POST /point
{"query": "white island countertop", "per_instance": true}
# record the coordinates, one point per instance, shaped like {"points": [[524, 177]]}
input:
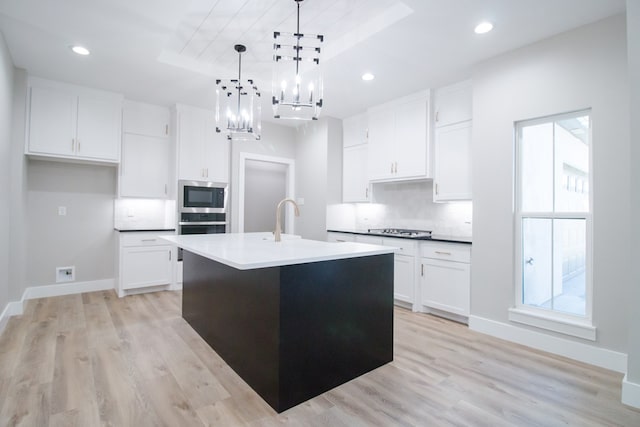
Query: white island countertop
{"points": [[246, 251]]}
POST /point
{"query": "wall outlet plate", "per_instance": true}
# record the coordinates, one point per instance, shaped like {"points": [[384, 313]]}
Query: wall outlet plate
{"points": [[65, 274]]}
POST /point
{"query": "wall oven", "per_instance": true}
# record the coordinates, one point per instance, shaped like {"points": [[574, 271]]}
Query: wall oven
{"points": [[202, 208], [202, 197]]}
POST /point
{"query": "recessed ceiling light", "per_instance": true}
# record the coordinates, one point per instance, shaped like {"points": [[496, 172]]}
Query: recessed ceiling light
{"points": [[368, 77], [80, 50], [483, 27]]}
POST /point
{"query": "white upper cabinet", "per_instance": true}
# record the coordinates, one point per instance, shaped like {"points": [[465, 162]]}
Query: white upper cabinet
{"points": [[203, 154], [452, 151], [72, 122], [355, 184], [452, 143], [355, 130], [145, 119], [398, 139], [355, 180], [453, 104], [145, 170]]}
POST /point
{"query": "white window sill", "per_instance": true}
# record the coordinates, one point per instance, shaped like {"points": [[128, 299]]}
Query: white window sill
{"points": [[578, 329]]}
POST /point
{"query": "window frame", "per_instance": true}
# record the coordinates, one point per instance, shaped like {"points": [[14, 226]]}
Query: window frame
{"points": [[566, 323]]}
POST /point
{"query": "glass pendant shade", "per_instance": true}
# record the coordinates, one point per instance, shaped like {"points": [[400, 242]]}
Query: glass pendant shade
{"points": [[238, 112], [297, 87]]}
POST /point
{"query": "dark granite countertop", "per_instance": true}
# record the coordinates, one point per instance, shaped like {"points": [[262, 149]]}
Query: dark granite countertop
{"points": [[434, 237]]}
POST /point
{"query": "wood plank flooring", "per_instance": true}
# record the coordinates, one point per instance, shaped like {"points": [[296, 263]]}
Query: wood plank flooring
{"points": [[97, 360]]}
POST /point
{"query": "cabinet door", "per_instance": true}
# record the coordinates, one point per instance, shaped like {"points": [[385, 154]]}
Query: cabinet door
{"points": [[445, 285], [52, 121], [355, 183], [380, 146], [191, 136], [144, 170], [453, 104], [355, 130], [145, 119], [403, 280], [99, 127], [146, 266], [216, 153], [340, 237], [411, 140], [453, 162]]}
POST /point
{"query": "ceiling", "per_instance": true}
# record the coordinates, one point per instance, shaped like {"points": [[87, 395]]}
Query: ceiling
{"points": [[166, 51]]}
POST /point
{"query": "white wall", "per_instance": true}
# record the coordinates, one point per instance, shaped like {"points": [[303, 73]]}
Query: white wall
{"points": [[579, 69], [6, 106], [277, 141], [633, 40], [85, 237], [318, 174]]}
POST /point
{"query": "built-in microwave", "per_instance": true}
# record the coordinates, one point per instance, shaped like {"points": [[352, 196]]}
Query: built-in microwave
{"points": [[202, 196]]}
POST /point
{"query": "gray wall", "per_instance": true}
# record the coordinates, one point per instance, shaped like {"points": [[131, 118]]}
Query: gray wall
{"points": [[277, 141], [265, 184], [575, 70], [633, 38], [6, 107], [18, 190], [318, 174], [85, 237]]}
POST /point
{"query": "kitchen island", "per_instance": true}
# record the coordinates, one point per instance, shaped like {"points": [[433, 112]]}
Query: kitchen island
{"points": [[293, 318]]}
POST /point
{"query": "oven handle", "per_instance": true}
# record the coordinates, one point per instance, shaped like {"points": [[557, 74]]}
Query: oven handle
{"points": [[202, 223]]}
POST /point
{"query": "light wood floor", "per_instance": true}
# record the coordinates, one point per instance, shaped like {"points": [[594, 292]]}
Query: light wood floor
{"points": [[94, 359]]}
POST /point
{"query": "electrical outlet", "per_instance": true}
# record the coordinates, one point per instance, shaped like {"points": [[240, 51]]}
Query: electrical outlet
{"points": [[65, 274], [62, 210]]}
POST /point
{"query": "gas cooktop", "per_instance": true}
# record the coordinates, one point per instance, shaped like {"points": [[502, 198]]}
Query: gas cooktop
{"points": [[400, 232]]}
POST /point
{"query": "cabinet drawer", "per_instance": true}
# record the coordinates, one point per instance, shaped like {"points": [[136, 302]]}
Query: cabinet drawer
{"points": [[141, 239], [405, 247], [446, 251], [341, 237], [372, 240]]}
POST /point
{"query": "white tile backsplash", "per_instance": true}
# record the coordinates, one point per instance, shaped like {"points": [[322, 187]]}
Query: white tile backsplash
{"points": [[403, 205], [144, 214]]}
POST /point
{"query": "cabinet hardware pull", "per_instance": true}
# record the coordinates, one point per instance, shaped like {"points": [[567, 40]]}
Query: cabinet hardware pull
{"points": [[436, 188], [396, 167], [437, 115], [366, 193], [73, 145], [169, 255], [166, 129], [148, 240], [443, 253], [340, 241], [391, 167], [422, 269]]}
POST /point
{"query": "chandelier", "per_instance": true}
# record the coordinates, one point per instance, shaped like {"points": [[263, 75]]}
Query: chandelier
{"points": [[297, 79], [238, 110]]}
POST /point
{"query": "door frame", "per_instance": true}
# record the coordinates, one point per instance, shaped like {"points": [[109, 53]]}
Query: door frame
{"points": [[289, 191]]}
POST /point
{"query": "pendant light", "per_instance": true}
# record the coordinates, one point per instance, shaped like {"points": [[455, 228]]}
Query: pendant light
{"points": [[238, 110], [297, 79]]}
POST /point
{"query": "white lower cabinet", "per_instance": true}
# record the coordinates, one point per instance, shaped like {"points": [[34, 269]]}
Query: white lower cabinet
{"points": [[445, 278], [144, 261]]}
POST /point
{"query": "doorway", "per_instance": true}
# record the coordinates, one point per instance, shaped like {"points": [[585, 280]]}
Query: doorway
{"points": [[264, 181]]}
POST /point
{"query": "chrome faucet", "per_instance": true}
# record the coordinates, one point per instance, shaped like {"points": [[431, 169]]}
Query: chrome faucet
{"points": [[278, 230]]}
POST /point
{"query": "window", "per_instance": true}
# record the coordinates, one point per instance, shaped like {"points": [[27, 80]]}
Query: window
{"points": [[553, 217]]}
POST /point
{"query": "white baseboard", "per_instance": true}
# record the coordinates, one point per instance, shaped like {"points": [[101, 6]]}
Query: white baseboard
{"points": [[16, 308], [630, 393], [67, 289], [601, 357]]}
